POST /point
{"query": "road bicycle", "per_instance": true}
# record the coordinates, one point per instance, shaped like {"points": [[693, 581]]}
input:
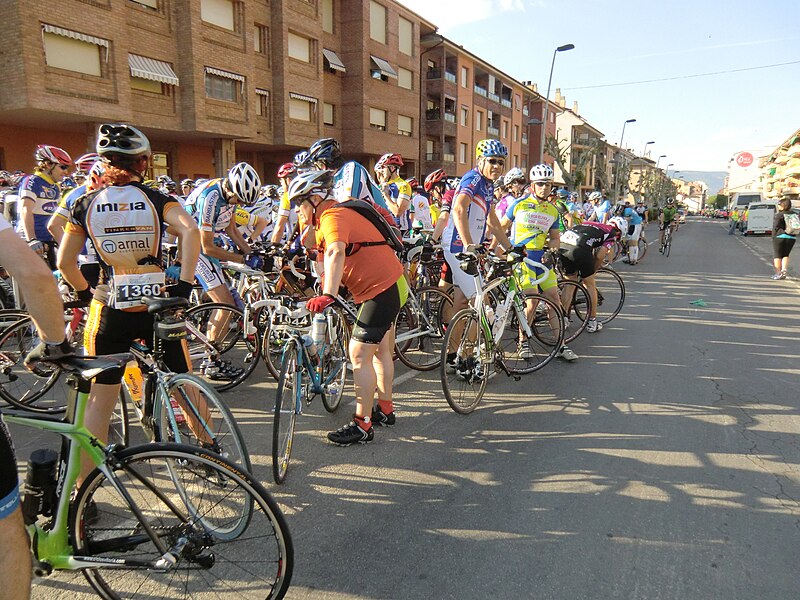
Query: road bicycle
{"points": [[575, 302], [509, 337], [160, 520], [666, 245]]}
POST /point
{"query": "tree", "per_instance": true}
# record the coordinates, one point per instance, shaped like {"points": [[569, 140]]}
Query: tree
{"points": [[579, 158], [720, 201]]}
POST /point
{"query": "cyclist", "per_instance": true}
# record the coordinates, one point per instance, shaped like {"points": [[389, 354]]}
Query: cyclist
{"points": [[395, 190], [374, 276], [534, 224], [514, 183], [601, 208], [635, 223], [124, 220], [286, 173], [641, 210], [214, 206], [82, 166], [471, 215], [39, 194], [666, 218], [436, 185], [583, 249], [187, 185], [420, 208]]}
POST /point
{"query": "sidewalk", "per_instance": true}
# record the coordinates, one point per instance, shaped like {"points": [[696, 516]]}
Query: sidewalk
{"points": [[761, 245]]}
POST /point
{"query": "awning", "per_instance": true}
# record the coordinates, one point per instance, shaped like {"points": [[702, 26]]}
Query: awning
{"points": [[333, 61], [262, 92], [74, 35], [383, 67], [152, 69], [303, 97], [226, 74]]}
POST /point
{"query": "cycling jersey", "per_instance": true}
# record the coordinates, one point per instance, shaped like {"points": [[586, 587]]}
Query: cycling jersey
{"points": [[88, 255], [421, 210], [531, 220], [209, 207], [447, 202], [354, 181], [399, 191], [480, 191], [502, 205], [601, 210], [247, 219], [44, 193], [633, 217], [589, 235], [668, 213]]}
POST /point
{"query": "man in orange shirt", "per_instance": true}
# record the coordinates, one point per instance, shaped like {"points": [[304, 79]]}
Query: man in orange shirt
{"points": [[374, 276]]}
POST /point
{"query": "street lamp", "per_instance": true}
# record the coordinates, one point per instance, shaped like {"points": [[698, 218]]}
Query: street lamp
{"points": [[644, 150], [563, 48], [619, 160], [659, 159]]}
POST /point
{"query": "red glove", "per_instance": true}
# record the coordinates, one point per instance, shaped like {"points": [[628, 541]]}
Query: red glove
{"points": [[319, 303]]}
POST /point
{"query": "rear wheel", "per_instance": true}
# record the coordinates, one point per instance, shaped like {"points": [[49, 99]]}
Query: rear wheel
{"points": [[524, 354], [610, 294], [464, 380], [423, 321], [575, 305], [287, 398]]}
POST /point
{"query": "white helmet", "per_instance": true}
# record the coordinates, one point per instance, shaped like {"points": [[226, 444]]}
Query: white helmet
{"points": [[119, 138], [244, 182], [619, 223], [541, 173], [595, 196], [514, 174], [310, 182]]}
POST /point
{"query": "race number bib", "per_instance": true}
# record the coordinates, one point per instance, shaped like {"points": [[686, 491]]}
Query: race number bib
{"points": [[538, 221], [128, 290], [570, 238]]}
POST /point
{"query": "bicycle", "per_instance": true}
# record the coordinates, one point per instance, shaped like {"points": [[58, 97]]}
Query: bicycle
{"points": [[165, 520], [666, 245], [305, 373], [511, 341]]}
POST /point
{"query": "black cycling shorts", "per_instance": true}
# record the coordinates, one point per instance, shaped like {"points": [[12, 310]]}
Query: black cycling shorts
{"points": [[376, 316], [110, 331], [9, 482], [577, 260]]}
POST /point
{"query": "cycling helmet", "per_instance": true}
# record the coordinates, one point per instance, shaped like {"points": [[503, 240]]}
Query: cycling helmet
{"points": [[541, 173], [670, 201], [326, 150], [562, 193], [171, 186], [514, 174], [164, 179], [85, 162], [301, 159], [188, 182], [619, 223], [595, 196], [434, 178], [52, 154], [413, 183], [5, 178], [288, 169], [490, 148], [244, 182], [270, 191], [389, 159], [118, 138], [310, 182]]}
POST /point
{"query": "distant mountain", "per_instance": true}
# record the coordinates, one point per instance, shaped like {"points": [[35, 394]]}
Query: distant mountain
{"points": [[713, 179]]}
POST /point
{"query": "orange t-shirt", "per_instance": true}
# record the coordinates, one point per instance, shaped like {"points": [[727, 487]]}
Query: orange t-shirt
{"points": [[371, 269]]}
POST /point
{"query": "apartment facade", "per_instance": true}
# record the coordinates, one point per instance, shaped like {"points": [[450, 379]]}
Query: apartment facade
{"points": [[584, 157], [212, 82]]}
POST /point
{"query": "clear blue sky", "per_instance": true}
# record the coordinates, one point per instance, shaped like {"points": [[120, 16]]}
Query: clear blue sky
{"points": [[697, 122]]}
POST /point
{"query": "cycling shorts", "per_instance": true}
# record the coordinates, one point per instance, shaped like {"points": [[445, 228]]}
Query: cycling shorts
{"points": [[578, 260], [633, 236], [110, 331], [447, 274], [460, 279], [9, 482], [377, 315], [665, 225], [209, 273], [528, 275]]}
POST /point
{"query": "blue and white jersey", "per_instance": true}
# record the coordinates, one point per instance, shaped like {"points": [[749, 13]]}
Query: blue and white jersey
{"points": [[88, 254], [354, 181], [208, 206], [634, 218], [480, 190], [601, 210], [45, 194]]}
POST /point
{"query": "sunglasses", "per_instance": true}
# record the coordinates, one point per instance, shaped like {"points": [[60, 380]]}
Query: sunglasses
{"points": [[64, 167], [542, 183], [496, 161]]}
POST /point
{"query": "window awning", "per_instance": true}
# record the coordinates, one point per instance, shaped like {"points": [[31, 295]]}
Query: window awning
{"points": [[302, 97], [383, 67], [152, 69], [262, 92], [74, 35], [333, 61], [226, 74]]}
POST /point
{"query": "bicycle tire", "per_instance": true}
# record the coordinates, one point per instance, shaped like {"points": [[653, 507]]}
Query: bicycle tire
{"points": [[610, 294], [118, 428], [274, 334], [544, 343], [334, 360], [219, 429], [427, 315], [464, 386], [239, 347], [667, 246], [642, 245], [287, 397], [572, 305], [183, 493]]}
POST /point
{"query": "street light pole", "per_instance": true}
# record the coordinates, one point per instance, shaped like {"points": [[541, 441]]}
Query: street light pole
{"points": [[563, 48], [619, 160], [644, 150], [659, 159]]}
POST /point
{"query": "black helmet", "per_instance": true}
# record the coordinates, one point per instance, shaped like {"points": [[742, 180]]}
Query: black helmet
{"points": [[326, 150]]}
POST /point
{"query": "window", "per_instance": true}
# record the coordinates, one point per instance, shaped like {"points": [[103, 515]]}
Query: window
{"points": [[73, 51], [516, 159], [148, 3], [405, 125], [151, 75], [405, 78], [377, 22], [464, 77], [464, 116], [222, 85], [262, 103], [406, 35], [478, 120], [377, 119], [327, 16], [301, 108], [218, 12], [160, 165], [552, 117], [505, 129], [261, 39], [516, 132], [380, 69], [146, 85], [328, 113], [299, 47], [517, 101], [462, 153]]}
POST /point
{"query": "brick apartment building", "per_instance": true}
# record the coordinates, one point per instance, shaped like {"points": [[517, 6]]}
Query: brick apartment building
{"points": [[212, 82]]}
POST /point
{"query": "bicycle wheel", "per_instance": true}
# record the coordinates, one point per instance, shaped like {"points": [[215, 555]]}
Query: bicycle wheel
{"points": [[667, 244], [233, 355], [118, 427], [200, 418], [522, 354], [642, 245], [610, 294], [464, 382], [287, 399], [575, 304], [29, 390], [275, 332], [335, 358], [423, 322], [186, 498]]}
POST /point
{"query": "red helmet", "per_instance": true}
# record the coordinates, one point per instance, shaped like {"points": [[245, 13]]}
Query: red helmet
{"points": [[389, 159], [287, 170], [413, 183], [85, 162], [434, 178], [52, 154]]}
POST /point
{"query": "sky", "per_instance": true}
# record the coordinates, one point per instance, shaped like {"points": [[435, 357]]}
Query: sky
{"points": [[699, 123]]}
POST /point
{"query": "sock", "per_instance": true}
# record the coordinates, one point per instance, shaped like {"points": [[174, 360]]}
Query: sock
{"points": [[386, 406], [364, 422]]}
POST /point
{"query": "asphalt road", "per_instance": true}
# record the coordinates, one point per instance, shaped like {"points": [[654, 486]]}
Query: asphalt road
{"points": [[663, 464]]}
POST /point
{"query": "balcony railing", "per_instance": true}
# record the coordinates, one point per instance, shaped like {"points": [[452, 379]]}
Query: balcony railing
{"points": [[433, 156], [506, 103], [494, 97], [434, 74], [433, 114], [449, 157], [492, 130], [481, 91], [450, 76], [449, 117]]}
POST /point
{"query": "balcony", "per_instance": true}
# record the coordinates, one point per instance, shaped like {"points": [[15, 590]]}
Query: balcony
{"points": [[451, 77], [494, 97], [433, 114], [449, 117], [434, 74], [506, 103], [447, 157], [481, 91], [493, 131]]}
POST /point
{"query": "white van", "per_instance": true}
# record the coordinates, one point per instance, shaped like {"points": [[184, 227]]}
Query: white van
{"points": [[742, 200], [759, 218]]}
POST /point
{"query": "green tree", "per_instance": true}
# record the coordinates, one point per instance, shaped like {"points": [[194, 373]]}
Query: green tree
{"points": [[579, 158], [720, 201]]}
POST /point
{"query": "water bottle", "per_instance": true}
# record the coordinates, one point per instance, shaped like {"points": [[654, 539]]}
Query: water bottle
{"points": [[311, 347], [40, 483], [134, 382], [489, 313], [318, 328]]}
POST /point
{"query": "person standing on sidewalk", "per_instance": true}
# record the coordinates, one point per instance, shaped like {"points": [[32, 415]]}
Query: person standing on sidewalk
{"points": [[782, 242], [734, 221]]}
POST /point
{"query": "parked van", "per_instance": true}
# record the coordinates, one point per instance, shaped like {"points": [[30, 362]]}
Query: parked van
{"points": [[759, 218], [742, 200]]}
